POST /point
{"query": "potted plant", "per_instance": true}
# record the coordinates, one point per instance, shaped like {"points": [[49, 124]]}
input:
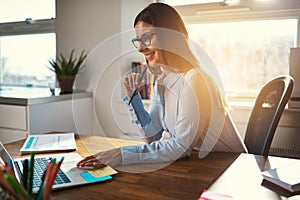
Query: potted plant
{"points": [[66, 70]]}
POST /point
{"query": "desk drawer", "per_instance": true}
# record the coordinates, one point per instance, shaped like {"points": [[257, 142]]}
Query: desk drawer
{"points": [[13, 117]]}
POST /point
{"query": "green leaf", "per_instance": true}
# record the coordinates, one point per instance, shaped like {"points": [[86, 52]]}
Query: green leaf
{"points": [[67, 66]]}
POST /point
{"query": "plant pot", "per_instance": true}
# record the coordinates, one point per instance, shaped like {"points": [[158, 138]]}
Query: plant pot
{"points": [[66, 83]]}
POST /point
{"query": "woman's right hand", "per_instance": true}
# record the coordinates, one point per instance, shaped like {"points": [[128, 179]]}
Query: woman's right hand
{"points": [[129, 83], [112, 157]]}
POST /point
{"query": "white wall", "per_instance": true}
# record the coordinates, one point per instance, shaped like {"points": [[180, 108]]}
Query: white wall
{"points": [[104, 29], [84, 24], [81, 25]]}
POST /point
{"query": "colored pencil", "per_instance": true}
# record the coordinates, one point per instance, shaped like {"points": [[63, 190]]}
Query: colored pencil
{"points": [[41, 189], [10, 163], [6, 187], [31, 174], [46, 180], [17, 186], [9, 170], [25, 174], [49, 184], [8, 190]]}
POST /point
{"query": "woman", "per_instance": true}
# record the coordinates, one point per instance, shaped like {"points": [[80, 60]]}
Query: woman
{"points": [[187, 110]]}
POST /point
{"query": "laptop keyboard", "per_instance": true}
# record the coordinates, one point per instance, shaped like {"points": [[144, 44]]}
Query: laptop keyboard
{"points": [[40, 165]]}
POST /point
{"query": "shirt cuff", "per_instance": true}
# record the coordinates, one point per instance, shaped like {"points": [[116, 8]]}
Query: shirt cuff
{"points": [[136, 102], [139, 109]]}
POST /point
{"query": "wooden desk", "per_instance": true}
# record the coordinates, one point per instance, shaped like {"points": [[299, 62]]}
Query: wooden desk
{"points": [[183, 179]]}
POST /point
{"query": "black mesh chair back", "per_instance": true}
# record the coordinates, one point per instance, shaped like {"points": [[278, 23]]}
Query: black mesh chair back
{"points": [[266, 113]]}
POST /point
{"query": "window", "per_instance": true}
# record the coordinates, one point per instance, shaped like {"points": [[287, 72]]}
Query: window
{"points": [[27, 42], [186, 2], [248, 53], [249, 41]]}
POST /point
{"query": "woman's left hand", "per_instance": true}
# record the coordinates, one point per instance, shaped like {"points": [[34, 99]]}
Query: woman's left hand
{"points": [[110, 157]]}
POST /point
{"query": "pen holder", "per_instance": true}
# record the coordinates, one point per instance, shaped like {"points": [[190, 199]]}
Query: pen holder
{"points": [[11, 188], [4, 195]]}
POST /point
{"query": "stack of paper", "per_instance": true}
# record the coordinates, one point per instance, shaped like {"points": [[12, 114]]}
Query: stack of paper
{"points": [[286, 177]]}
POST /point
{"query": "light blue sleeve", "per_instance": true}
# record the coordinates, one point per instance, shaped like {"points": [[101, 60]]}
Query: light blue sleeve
{"points": [[148, 124], [155, 152]]}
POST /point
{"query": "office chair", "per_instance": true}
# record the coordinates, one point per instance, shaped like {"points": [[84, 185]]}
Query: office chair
{"points": [[266, 113]]}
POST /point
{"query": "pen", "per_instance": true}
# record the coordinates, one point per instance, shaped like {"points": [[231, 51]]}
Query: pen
{"points": [[17, 186], [137, 86], [31, 174], [25, 174]]}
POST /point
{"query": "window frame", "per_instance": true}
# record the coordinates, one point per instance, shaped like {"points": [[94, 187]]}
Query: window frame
{"points": [[213, 12], [27, 27]]}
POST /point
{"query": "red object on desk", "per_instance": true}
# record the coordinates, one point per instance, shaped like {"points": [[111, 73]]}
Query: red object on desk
{"points": [[209, 195]]}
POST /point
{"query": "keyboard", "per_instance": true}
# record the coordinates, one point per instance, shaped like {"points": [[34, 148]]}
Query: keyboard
{"points": [[40, 165]]}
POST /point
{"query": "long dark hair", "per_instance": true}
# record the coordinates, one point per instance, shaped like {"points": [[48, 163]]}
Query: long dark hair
{"points": [[165, 17], [171, 31]]}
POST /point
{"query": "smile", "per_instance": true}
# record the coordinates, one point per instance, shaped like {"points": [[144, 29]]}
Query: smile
{"points": [[149, 56]]}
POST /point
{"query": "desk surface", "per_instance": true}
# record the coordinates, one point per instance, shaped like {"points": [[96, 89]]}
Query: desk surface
{"points": [[226, 173]]}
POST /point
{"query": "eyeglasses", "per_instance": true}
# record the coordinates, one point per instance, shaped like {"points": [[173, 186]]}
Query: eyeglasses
{"points": [[145, 40]]}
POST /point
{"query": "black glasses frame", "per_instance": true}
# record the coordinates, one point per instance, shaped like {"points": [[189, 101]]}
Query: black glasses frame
{"points": [[145, 40]]}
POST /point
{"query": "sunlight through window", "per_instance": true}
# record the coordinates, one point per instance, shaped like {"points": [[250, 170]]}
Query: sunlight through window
{"points": [[247, 53], [25, 48]]}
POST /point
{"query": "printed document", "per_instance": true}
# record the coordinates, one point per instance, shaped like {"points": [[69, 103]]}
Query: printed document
{"points": [[49, 143]]}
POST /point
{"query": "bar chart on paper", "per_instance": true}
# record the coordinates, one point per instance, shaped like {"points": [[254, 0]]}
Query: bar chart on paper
{"points": [[49, 143]]}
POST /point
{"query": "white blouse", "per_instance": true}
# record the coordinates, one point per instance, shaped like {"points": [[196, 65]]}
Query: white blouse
{"points": [[174, 118]]}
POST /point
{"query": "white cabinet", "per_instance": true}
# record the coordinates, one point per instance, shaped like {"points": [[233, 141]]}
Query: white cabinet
{"points": [[13, 117], [65, 113]]}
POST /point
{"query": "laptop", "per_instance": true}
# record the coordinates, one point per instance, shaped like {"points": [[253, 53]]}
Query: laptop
{"points": [[68, 176]]}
